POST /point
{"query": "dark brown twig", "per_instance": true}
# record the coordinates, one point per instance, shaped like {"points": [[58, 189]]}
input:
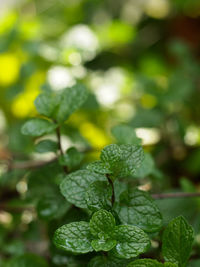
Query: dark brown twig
{"points": [[113, 191], [175, 195]]}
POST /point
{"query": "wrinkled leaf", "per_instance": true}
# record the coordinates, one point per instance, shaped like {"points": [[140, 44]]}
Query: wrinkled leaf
{"points": [[102, 244], [74, 237], [150, 263]]}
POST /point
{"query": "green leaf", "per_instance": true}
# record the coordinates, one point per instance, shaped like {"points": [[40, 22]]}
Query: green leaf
{"points": [[102, 224], [45, 146], [137, 208], [75, 185], [177, 241], [146, 168], [125, 135], [131, 241], [46, 103], [98, 196], [74, 237], [27, 260], [102, 261], [149, 263], [123, 160], [71, 99], [52, 206], [102, 244], [37, 127], [71, 158], [99, 167]]}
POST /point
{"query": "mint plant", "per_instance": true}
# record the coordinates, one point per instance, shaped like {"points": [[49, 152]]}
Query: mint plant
{"points": [[119, 221]]}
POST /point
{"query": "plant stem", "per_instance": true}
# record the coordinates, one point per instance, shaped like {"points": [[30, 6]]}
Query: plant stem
{"points": [[175, 195], [113, 190], [60, 146]]}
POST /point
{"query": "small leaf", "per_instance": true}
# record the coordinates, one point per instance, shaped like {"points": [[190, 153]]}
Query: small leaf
{"points": [[102, 224], [71, 99], [74, 237], [99, 167], [131, 241], [146, 168], [71, 158], [102, 244], [137, 208], [75, 185], [149, 263], [98, 196], [46, 103], [123, 160], [45, 146], [37, 127], [177, 241], [125, 135]]}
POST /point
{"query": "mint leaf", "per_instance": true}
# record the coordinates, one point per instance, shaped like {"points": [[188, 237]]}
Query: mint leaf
{"points": [[122, 160], [75, 185], [131, 241], [74, 237], [149, 263], [102, 244], [46, 103], [102, 261], [71, 158], [71, 99], [98, 196], [99, 167], [37, 127], [177, 241], [125, 135], [137, 208], [102, 224], [146, 168], [45, 146]]}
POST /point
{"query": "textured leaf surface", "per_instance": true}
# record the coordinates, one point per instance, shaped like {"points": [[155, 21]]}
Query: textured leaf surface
{"points": [[74, 237], [71, 158], [45, 146], [146, 167], [102, 223], [123, 160], [75, 185], [102, 244], [98, 196], [99, 167], [37, 127], [131, 241], [46, 103], [177, 241], [136, 207], [125, 135], [72, 99], [149, 263]]}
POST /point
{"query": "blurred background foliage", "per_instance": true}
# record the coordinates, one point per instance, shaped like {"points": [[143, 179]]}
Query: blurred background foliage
{"points": [[140, 62]]}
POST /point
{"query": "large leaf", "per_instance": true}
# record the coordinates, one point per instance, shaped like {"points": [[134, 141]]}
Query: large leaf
{"points": [[98, 196], [122, 160], [37, 127], [177, 241], [150, 263], [137, 208], [102, 224], [72, 99], [125, 135], [74, 237], [75, 185], [131, 241]]}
